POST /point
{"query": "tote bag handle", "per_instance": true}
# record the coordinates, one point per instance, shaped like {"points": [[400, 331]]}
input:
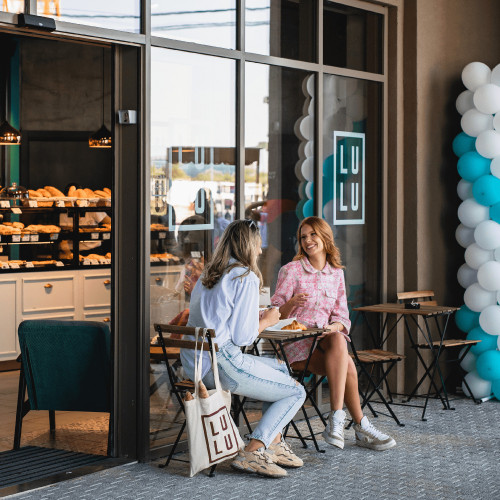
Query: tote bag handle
{"points": [[198, 363]]}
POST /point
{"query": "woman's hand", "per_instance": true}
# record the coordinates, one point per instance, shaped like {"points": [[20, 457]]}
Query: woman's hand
{"points": [[298, 300], [269, 317], [333, 328]]}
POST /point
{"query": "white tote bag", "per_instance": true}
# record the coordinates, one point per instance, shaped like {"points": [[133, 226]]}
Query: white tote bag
{"points": [[212, 434]]}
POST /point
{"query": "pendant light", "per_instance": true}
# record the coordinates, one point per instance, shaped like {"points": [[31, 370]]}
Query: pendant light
{"points": [[101, 138], [9, 136]]}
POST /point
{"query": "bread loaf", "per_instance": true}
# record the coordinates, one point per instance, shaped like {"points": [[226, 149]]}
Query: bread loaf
{"points": [[89, 193], [71, 191], [54, 191], [101, 194], [80, 193], [34, 194], [188, 396], [107, 190], [44, 193], [202, 390]]}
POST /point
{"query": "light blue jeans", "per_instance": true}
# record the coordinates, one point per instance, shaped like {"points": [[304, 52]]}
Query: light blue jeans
{"points": [[264, 379]]}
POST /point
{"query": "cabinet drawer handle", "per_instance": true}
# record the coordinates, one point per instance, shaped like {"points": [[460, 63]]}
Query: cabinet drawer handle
{"points": [[47, 286], [107, 282], [158, 280], [106, 320]]}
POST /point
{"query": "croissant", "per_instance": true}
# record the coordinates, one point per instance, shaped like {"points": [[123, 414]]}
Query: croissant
{"points": [[295, 325]]}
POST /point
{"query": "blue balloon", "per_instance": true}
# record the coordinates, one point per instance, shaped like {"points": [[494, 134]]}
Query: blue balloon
{"points": [[495, 213], [487, 343], [486, 190], [495, 388], [466, 319], [472, 165], [488, 365], [299, 209], [463, 143], [328, 168], [327, 190], [308, 209]]}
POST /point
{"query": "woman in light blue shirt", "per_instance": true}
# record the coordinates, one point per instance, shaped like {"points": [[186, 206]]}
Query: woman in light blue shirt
{"points": [[226, 298]]}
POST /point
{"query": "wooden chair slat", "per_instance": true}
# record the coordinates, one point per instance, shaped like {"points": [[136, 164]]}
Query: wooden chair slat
{"points": [[155, 351], [183, 330], [418, 294]]}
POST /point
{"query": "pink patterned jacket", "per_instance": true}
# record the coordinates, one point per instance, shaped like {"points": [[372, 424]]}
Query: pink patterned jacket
{"points": [[326, 304]]}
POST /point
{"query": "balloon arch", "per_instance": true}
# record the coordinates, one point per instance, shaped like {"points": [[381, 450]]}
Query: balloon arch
{"points": [[478, 149]]}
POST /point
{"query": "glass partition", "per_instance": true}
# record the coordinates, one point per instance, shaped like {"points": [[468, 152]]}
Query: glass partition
{"points": [[208, 23], [279, 123], [281, 29], [15, 6], [193, 160], [114, 14]]}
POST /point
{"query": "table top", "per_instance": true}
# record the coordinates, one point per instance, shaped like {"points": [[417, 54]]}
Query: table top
{"points": [[396, 308], [290, 335]]}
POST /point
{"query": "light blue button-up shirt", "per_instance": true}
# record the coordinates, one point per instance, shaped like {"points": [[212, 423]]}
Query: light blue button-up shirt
{"points": [[231, 308]]}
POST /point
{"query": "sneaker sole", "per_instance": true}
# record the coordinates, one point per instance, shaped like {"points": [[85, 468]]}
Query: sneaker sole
{"points": [[376, 447], [333, 440], [288, 465], [260, 473]]}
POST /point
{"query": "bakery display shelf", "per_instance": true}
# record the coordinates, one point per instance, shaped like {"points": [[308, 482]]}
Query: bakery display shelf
{"points": [[28, 238], [159, 261], [159, 234], [33, 266], [39, 210]]}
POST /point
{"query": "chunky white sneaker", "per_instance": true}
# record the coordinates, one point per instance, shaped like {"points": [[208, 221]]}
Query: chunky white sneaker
{"points": [[257, 461], [281, 454], [368, 436], [334, 430]]}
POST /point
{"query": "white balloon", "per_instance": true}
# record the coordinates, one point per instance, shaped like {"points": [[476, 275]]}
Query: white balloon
{"points": [[475, 74], [469, 362], [480, 388], [328, 211], [309, 149], [488, 276], [464, 235], [496, 122], [495, 167], [497, 254], [309, 190], [475, 256], [474, 122], [472, 213], [489, 320], [308, 169], [466, 276], [476, 298], [307, 127], [298, 170], [465, 101], [487, 234], [488, 143], [464, 189], [309, 90], [487, 98], [495, 75]]}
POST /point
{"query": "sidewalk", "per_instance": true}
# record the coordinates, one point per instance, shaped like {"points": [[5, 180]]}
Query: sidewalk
{"points": [[454, 455]]}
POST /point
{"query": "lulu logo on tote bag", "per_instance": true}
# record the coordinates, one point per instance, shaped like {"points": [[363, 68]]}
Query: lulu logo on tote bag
{"points": [[212, 435]]}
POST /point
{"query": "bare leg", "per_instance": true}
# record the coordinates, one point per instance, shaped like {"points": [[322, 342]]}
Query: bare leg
{"points": [[340, 371], [255, 444]]}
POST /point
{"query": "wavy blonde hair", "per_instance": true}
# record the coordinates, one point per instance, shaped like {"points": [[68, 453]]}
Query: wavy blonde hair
{"points": [[240, 241], [324, 231]]}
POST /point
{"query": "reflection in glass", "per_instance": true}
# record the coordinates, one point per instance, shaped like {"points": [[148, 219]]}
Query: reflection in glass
{"points": [[279, 122], [351, 180], [210, 23], [193, 160], [114, 14], [14, 6], [281, 29], [352, 38]]}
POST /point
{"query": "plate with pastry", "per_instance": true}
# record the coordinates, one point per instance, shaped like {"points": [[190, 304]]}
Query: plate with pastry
{"points": [[287, 325]]}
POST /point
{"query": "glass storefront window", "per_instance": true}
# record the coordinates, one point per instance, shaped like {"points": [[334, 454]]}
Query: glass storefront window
{"points": [[279, 122], [352, 38], [193, 160], [352, 180], [209, 23], [15, 6], [121, 15], [281, 29]]}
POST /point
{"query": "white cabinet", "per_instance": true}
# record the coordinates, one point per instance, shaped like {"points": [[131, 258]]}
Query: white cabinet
{"points": [[9, 347], [48, 293]]}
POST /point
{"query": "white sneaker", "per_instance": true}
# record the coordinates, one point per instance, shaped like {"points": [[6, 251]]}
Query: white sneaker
{"points": [[368, 436], [334, 430]]}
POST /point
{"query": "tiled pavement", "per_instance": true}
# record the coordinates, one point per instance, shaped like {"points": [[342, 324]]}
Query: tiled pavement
{"points": [[454, 455]]}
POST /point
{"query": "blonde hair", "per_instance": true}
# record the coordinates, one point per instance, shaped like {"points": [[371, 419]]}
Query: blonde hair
{"points": [[324, 231], [240, 241]]}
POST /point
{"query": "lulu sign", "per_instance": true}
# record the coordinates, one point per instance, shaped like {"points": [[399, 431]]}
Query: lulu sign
{"points": [[220, 435], [348, 178]]}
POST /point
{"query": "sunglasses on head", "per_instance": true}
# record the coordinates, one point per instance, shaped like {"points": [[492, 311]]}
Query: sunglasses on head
{"points": [[251, 223]]}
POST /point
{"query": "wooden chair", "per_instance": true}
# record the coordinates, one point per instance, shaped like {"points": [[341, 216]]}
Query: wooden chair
{"points": [[437, 345]]}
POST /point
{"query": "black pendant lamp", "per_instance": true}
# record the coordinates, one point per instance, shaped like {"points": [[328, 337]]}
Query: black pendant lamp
{"points": [[101, 138], [9, 136]]}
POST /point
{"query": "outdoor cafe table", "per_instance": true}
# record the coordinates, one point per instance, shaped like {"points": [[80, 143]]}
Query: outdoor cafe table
{"points": [[440, 315], [277, 339]]}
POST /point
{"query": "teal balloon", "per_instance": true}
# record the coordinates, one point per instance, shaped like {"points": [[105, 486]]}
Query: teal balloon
{"points": [[495, 388], [472, 165], [299, 209], [302, 189], [308, 209], [327, 190], [495, 213], [488, 342], [466, 319], [463, 143], [359, 126], [486, 190], [488, 365], [328, 168]]}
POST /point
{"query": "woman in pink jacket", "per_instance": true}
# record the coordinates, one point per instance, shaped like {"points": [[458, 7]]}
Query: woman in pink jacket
{"points": [[312, 289]]}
